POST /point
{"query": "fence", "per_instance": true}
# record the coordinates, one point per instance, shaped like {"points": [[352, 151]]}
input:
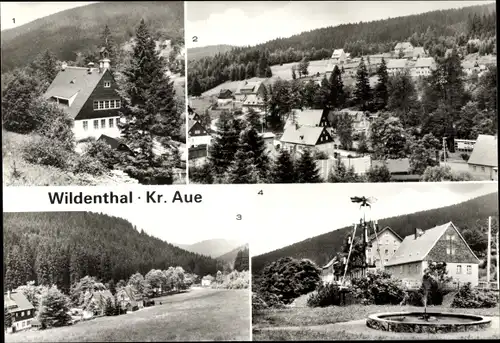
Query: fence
{"points": [[488, 285]]}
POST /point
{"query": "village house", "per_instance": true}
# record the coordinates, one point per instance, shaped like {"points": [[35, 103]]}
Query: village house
{"points": [[308, 118], [361, 122], [249, 88], [338, 56], [128, 298], [328, 274], [225, 96], [423, 67], [464, 145], [94, 303], [298, 138], [207, 280], [348, 69], [115, 143], [269, 138], [21, 310], [483, 161], [443, 243], [404, 47], [418, 52], [471, 68], [192, 115], [398, 168], [395, 66], [254, 102], [197, 134], [380, 251], [89, 96]]}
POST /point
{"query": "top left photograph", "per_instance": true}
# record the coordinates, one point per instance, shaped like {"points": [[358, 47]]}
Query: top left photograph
{"points": [[93, 93]]}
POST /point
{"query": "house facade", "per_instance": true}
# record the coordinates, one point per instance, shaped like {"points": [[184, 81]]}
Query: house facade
{"points": [[338, 56], [464, 145], [483, 161], [128, 298], [207, 280], [249, 88], [381, 247], [395, 66], [298, 138], [95, 302], [89, 96], [442, 243], [423, 67], [197, 134], [225, 96], [21, 310], [403, 47]]}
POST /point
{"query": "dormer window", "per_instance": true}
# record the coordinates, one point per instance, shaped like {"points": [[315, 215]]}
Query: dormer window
{"points": [[107, 84]]}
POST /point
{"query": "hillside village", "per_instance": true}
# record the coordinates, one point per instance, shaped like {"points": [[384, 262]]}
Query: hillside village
{"points": [[75, 126], [54, 286], [417, 112]]}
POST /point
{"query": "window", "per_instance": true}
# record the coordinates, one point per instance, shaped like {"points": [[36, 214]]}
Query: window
{"points": [[474, 168], [401, 270], [459, 269], [394, 250], [387, 241], [111, 122], [469, 269], [106, 104], [96, 124], [387, 251], [85, 125], [103, 123], [107, 84], [386, 260], [482, 169], [448, 251], [196, 132], [22, 314]]}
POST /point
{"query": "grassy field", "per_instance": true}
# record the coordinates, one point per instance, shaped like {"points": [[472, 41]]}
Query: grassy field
{"points": [[301, 323], [201, 314]]}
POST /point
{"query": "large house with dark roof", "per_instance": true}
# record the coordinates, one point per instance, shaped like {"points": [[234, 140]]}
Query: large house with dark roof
{"points": [[483, 161], [395, 66], [21, 310], [197, 134], [382, 246], [443, 243], [423, 67], [128, 298], [89, 96]]}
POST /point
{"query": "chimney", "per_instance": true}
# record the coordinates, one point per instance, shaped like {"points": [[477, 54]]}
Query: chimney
{"points": [[104, 64], [8, 294], [418, 232], [64, 65], [90, 66]]}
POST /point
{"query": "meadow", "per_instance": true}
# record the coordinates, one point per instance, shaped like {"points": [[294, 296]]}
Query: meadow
{"points": [[200, 314]]}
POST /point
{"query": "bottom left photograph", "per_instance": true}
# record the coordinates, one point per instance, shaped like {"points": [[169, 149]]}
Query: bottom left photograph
{"points": [[86, 276]]}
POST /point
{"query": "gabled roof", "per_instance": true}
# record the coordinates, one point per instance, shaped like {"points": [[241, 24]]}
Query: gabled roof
{"points": [[71, 81], [485, 151], [306, 135], [17, 299], [416, 249], [418, 51], [397, 63], [337, 53], [253, 99], [306, 117], [111, 141], [373, 236], [425, 62], [248, 86], [192, 123], [403, 45]]}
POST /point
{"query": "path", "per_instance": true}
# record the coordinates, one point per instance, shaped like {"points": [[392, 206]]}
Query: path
{"points": [[359, 327]]}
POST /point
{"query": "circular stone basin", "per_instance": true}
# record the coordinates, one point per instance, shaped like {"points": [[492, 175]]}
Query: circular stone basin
{"points": [[436, 322]]}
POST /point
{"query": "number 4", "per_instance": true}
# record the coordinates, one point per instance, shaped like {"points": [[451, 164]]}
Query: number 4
{"points": [[260, 192]]}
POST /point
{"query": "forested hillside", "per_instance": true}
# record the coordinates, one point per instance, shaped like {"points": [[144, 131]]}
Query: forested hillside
{"points": [[61, 247], [230, 257], [470, 217], [436, 31], [208, 51], [78, 29]]}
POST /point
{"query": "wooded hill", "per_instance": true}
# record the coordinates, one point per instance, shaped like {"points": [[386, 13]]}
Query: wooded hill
{"points": [[78, 29], [230, 257], [208, 51], [436, 31], [211, 247], [61, 247], [320, 249]]}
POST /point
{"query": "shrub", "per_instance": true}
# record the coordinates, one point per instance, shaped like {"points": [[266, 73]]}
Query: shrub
{"points": [[258, 302], [464, 156], [319, 155], [85, 164], [236, 280], [47, 152], [102, 152], [326, 295], [379, 289], [468, 297], [56, 124]]}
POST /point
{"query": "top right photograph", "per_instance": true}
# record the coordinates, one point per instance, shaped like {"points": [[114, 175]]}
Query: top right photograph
{"points": [[339, 92]]}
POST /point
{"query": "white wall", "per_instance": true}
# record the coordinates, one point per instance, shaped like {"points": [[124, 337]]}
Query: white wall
{"points": [[464, 277], [199, 140], [488, 174], [23, 324], [81, 133]]}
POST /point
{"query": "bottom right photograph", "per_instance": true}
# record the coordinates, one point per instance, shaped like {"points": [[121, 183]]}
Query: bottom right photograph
{"points": [[379, 261]]}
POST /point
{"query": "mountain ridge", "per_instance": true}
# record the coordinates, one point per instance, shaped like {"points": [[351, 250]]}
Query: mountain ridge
{"points": [[230, 256], [212, 247]]}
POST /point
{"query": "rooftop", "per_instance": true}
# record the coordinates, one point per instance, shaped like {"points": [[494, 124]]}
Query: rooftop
{"points": [[306, 135], [485, 152]]}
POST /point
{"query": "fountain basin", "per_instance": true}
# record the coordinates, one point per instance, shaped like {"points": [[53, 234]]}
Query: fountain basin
{"points": [[438, 322]]}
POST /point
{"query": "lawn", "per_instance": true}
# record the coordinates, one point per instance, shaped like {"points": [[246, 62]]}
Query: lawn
{"points": [[300, 323], [201, 314]]}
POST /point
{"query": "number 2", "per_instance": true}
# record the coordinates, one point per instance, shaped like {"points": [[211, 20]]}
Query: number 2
{"points": [[195, 39]]}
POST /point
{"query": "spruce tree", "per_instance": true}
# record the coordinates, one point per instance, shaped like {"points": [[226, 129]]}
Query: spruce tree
{"points": [[242, 171], [283, 170], [262, 65], [252, 143], [7, 318], [108, 43], [45, 68], [269, 72], [337, 95], [362, 91], [54, 308], [307, 171], [15, 273], [381, 93], [144, 114], [294, 74], [195, 87], [224, 145]]}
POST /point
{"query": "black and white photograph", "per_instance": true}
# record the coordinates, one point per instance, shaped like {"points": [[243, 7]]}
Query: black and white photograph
{"points": [[123, 275], [93, 93], [341, 91], [378, 262]]}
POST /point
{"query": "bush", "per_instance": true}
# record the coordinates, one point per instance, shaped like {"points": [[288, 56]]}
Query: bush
{"points": [[267, 300], [258, 302], [103, 153], [326, 295], [236, 280], [468, 297], [464, 156], [379, 289], [47, 152], [85, 164]]}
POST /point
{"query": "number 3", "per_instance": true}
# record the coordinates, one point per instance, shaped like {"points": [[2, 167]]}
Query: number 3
{"points": [[238, 217]]}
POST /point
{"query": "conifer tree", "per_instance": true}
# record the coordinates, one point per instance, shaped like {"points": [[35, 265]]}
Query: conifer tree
{"points": [[337, 95], [381, 93], [225, 144], [195, 88], [294, 74], [269, 72], [307, 171], [242, 171], [148, 110], [252, 143], [45, 68], [362, 91], [283, 170], [109, 44], [262, 65], [54, 308], [15, 273], [7, 318]]}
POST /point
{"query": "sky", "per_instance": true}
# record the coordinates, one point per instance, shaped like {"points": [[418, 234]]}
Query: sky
{"points": [[25, 12], [251, 22], [287, 217]]}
